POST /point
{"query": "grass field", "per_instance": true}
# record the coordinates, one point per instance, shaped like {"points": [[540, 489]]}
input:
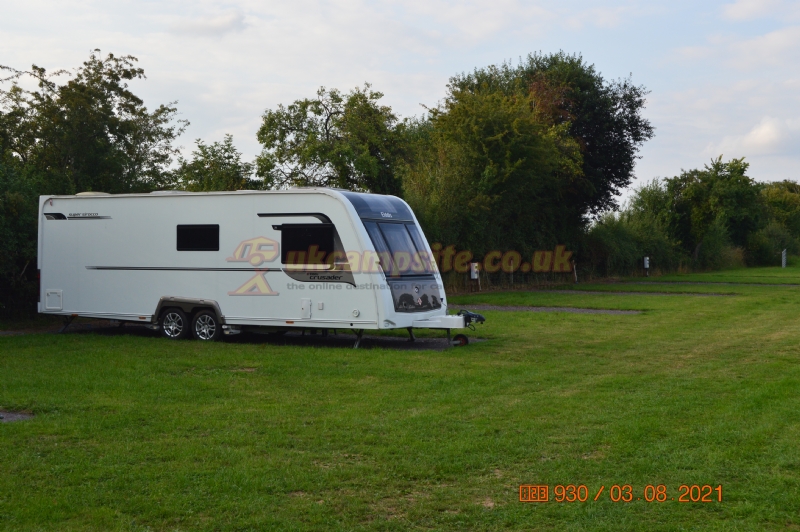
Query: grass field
{"points": [[133, 432]]}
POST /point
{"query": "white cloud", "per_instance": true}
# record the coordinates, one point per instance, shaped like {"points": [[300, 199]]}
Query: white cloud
{"points": [[751, 9], [600, 17], [778, 47], [730, 86], [774, 48], [210, 26], [771, 136]]}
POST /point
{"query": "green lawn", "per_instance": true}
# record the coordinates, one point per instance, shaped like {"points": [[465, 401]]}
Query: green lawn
{"points": [[771, 275], [133, 432]]}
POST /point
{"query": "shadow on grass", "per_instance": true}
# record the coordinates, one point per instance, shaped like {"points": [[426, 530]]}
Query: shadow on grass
{"points": [[342, 339]]}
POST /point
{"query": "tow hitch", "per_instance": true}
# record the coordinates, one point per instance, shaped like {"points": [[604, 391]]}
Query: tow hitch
{"points": [[470, 318]]}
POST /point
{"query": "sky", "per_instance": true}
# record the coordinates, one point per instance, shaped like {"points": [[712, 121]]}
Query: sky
{"points": [[724, 76]]}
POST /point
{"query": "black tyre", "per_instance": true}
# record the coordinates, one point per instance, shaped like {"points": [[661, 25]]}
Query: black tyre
{"points": [[174, 324], [206, 326], [460, 340]]}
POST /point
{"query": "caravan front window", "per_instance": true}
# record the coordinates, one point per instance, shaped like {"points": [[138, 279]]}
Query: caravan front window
{"points": [[400, 248]]}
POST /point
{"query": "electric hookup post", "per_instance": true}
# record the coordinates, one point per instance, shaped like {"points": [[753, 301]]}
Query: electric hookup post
{"points": [[647, 266], [474, 274]]}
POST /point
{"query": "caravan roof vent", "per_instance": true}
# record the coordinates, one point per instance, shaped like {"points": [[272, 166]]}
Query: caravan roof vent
{"points": [[90, 193], [165, 192]]}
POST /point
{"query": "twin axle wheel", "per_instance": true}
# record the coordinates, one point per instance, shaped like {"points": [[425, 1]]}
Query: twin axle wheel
{"points": [[205, 325]]}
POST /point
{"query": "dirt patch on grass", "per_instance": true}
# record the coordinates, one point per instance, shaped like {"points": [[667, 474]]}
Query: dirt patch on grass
{"points": [[8, 417]]}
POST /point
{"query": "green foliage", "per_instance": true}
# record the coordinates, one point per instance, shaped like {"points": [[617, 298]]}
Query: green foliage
{"points": [[18, 216], [715, 252], [710, 218], [782, 203], [605, 118], [648, 217], [521, 157], [334, 140], [720, 192], [217, 166], [613, 247], [764, 246], [91, 133], [617, 244], [487, 168]]}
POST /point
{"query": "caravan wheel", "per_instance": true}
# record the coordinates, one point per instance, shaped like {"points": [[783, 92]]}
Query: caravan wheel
{"points": [[174, 324], [206, 326]]}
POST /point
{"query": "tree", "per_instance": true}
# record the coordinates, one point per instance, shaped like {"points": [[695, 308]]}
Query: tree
{"points": [[782, 202], [720, 193], [218, 166], [334, 140], [605, 118], [490, 169], [91, 133], [18, 214]]}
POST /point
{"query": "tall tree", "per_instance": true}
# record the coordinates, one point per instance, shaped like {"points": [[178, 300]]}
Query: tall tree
{"points": [[604, 117], [91, 133], [719, 194], [490, 169], [782, 203], [334, 140]]}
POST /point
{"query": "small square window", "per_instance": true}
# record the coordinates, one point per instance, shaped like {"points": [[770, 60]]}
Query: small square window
{"points": [[198, 238]]}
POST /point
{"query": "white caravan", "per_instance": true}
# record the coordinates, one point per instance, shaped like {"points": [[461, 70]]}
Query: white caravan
{"points": [[221, 262]]}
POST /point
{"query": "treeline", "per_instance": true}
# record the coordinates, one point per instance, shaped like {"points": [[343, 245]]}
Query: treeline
{"points": [[705, 219], [519, 157]]}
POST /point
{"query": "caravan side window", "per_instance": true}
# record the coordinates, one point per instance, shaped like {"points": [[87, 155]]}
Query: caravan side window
{"points": [[306, 243], [198, 238]]}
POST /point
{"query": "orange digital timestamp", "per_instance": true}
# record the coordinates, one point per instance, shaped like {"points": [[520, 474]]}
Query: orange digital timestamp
{"points": [[620, 493], [529, 493]]}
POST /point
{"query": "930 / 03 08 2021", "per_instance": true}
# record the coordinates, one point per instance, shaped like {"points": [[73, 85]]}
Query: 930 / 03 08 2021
{"points": [[620, 493]]}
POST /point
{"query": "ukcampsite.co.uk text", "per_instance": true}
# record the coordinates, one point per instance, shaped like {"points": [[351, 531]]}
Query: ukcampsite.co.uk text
{"points": [[446, 259]]}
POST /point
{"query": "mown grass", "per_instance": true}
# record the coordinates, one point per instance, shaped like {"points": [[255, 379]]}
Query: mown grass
{"points": [[768, 275], [138, 433]]}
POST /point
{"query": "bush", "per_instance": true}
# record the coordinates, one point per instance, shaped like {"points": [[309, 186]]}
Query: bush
{"points": [[715, 251], [613, 247], [764, 247], [18, 216]]}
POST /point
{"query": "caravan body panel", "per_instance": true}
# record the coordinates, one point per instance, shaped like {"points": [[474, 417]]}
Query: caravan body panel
{"points": [[118, 256]]}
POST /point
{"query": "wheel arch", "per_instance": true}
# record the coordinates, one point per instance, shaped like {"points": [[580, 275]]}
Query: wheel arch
{"points": [[189, 306]]}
